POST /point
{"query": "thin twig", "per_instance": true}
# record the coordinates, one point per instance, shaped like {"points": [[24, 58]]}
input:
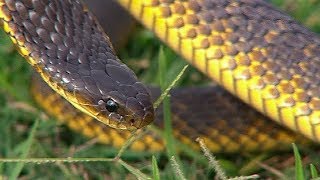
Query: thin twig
{"points": [[86, 145], [166, 91], [54, 160], [274, 171], [136, 134]]}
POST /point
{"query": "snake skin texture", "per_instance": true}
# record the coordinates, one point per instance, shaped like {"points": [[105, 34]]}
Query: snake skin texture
{"points": [[253, 50], [66, 46], [223, 128]]}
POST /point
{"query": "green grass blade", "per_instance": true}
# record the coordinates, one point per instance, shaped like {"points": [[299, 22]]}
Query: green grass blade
{"points": [[26, 148], [298, 163], [314, 172], [166, 106], [155, 169], [133, 170], [162, 69], [168, 131], [166, 91], [162, 74]]}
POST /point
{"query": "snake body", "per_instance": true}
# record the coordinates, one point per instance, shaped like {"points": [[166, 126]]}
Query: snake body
{"points": [[66, 46], [253, 50]]}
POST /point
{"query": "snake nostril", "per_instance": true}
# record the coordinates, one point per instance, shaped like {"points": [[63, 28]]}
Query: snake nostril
{"points": [[132, 121]]}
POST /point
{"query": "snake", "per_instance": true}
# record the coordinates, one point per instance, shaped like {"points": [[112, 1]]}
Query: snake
{"points": [[256, 52]]}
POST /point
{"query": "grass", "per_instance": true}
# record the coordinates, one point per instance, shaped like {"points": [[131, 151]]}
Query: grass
{"points": [[18, 137]]}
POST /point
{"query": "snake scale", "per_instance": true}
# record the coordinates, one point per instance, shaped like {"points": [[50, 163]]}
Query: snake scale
{"points": [[253, 50]]}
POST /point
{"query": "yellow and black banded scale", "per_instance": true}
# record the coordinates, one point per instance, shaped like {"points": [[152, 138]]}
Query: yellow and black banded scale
{"points": [[255, 51], [252, 49]]}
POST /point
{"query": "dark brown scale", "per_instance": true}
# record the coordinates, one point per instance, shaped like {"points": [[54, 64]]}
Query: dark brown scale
{"points": [[257, 56], [204, 30], [20, 38], [230, 50], [178, 23], [232, 37], [192, 33], [243, 47], [206, 16], [17, 19], [258, 70], [22, 10], [165, 12], [47, 24], [233, 10], [14, 27], [315, 104], [243, 60], [273, 93], [43, 34], [193, 5], [51, 53], [35, 18], [179, 8], [27, 3], [50, 12], [155, 2], [219, 14], [205, 43], [6, 13], [10, 5], [192, 19], [231, 64], [56, 38], [271, 79], [217, 26], [38, 6], [302, 97], [216, 40], [167, 1]]}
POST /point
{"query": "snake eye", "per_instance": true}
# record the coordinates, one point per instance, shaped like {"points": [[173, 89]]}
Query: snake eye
{"points": [[111, 105]]}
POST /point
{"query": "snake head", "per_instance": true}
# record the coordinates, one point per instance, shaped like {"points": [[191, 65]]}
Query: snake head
{"points": [[114, 96], [128, 107]]}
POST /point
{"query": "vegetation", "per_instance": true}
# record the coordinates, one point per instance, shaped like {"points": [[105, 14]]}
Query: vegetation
{"points": [[25, 131]]}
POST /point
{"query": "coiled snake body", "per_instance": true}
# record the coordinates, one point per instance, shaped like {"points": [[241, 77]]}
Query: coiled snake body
{"points": [[253, 50]]}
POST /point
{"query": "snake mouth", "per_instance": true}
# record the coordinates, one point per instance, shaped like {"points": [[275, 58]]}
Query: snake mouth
{"points": [[147, 119], [136, 122], [130, 122]]}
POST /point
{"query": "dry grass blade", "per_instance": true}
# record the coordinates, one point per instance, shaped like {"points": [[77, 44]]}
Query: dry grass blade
{"points": [[166, 91], [216, 166], [177, 168], [255, 176], [137, 134], [134, 171], [212, 160], [54, 160]]}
